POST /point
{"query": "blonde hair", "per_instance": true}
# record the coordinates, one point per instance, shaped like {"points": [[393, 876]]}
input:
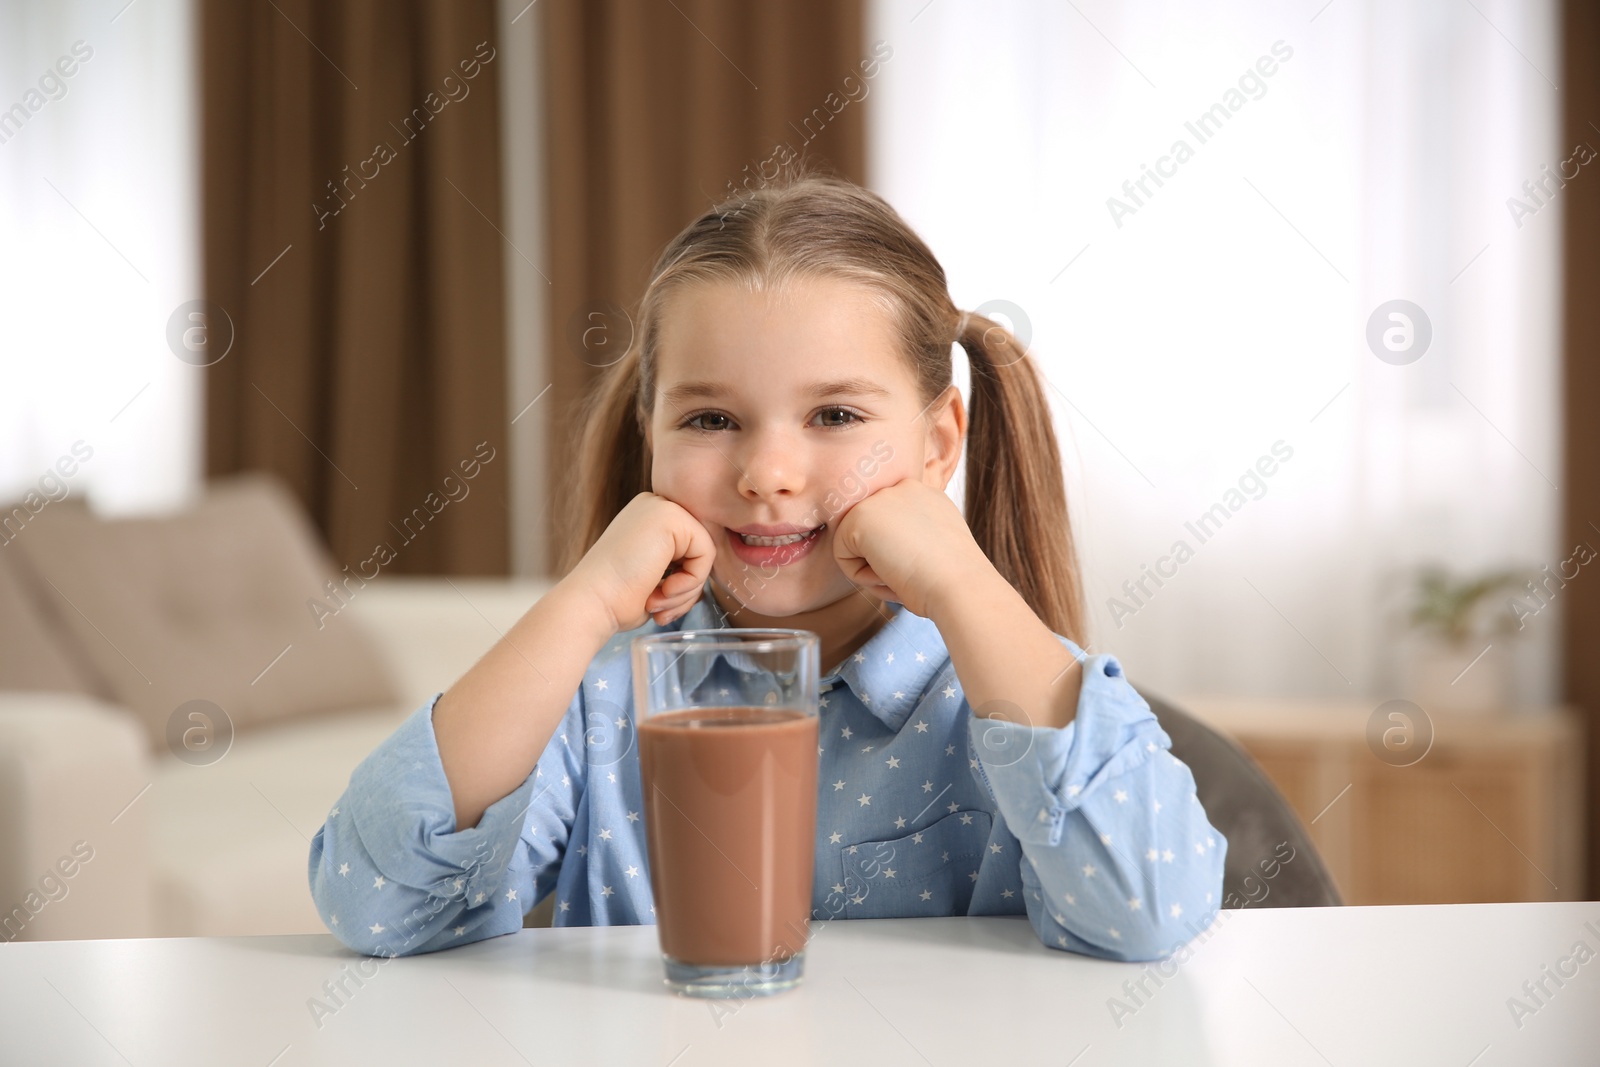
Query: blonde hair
{"points": [[819, 226]]}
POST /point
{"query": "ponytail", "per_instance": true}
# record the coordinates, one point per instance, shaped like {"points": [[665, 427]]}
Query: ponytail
{"points": [[1016, 503], [613, 460]]}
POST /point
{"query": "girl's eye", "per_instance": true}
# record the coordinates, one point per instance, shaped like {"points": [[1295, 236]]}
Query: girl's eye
{"points": [[852, 417], [848, 418], [693, 420]]}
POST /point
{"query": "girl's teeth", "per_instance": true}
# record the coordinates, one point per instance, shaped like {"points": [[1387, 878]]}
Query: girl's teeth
{"points": [[773, 542]]}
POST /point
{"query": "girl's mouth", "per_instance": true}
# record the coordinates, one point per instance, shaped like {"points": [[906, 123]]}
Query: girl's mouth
{"points": [[767, 551]]}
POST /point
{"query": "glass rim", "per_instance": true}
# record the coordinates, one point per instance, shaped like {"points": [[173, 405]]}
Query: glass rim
{"points": [[731, 637]]}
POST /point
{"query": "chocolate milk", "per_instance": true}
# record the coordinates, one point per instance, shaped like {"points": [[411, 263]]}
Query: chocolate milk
{"points": [[730, 803]]}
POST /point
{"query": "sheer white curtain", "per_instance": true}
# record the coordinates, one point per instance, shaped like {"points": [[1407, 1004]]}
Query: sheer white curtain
{"points": [[99, 245], [1355, 153]]}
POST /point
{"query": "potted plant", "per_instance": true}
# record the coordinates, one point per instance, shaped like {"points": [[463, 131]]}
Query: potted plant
{"points": [[1455, 666]]}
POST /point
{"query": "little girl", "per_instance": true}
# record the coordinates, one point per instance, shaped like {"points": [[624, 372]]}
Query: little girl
{"points": [[773, 452]]}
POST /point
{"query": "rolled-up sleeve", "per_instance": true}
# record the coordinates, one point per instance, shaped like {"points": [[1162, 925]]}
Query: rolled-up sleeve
{"points": [[1119, 858], [392, 876]]}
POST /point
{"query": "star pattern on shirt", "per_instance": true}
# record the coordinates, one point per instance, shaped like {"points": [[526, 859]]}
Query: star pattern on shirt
{"points": [[379, 882], [926, 895], [949, 750], [1007, 893], [893, 761], [845, 733], [605, 835], [834, 838], [900, 822], [966, 818], [863, 800], [601, 684], [922, 727], [927, 787], [949, 692], [633, 816], [460, 930], [606, 891], [344, 869], [838, 785], [632, 872], [995, 848]]}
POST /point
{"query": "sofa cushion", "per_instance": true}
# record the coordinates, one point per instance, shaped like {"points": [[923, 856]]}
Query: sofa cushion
{"points": [[34, 653], [229, 841], [213, 603]]}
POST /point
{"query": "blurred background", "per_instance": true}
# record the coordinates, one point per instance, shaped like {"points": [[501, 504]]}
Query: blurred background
{"points": [[296, 300]]}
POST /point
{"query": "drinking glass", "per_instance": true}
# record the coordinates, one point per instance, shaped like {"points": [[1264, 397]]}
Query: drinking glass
{"points": [[727, 725]]}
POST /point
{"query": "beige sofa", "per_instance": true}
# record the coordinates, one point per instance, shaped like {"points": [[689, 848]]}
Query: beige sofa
{"points": [[125, 815]]}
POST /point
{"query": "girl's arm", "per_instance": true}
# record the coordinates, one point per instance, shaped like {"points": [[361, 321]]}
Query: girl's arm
{"points": [[1119, 859], [1011, 665], [392, 876], [494, 721]]}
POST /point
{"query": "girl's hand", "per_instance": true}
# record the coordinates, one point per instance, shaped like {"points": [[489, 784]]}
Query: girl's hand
{"points": [[651, 562], [908, 543]]}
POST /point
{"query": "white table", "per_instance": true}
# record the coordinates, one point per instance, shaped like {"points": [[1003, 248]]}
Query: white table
{"points": [[1343, 986]]}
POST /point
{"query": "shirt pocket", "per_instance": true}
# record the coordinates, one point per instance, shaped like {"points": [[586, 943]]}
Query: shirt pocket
{"points": [[887, 879]]}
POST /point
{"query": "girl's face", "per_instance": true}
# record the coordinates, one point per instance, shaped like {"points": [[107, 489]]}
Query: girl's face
{"points": [[783, 410]]}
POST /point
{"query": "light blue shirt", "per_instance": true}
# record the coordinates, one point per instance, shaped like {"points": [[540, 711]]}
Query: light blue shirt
{"points": [[1092, 830]]}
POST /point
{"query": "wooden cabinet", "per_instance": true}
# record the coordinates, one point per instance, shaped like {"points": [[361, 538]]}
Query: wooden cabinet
{"points": [[1491, 811]]}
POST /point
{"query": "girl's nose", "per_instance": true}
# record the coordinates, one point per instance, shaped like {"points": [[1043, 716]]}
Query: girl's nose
{"points": [[771, 467]]}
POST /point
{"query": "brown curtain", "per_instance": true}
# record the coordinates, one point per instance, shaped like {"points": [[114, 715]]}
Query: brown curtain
{"points": [[351, 185], [1580, 95], [653, 109]]}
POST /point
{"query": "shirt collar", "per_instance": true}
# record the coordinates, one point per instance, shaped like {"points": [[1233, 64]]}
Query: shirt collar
{"points": [[887, 674]]}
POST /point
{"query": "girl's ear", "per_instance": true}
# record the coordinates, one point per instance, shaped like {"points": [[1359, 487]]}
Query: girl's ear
{"points": [[947, 430]]}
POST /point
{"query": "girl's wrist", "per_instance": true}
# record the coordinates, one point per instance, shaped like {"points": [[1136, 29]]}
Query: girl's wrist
{"points": [[960, 582], [588, 610]]}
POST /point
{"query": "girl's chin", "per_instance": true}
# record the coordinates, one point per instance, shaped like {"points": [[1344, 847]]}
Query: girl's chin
{"points": [[776, 598]]}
